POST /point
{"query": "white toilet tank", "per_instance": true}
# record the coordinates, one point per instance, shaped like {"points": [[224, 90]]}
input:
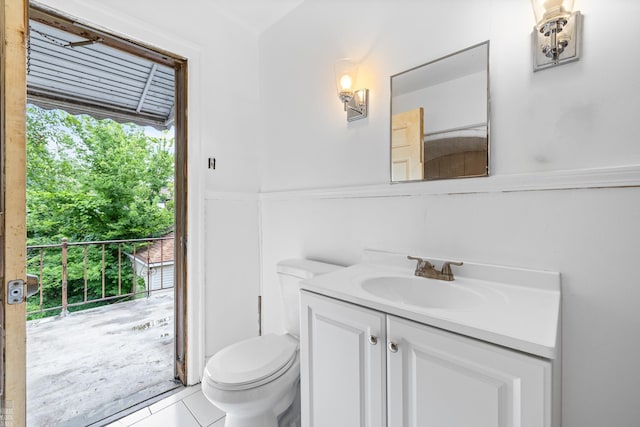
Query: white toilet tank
{"points": [[290, 273]]}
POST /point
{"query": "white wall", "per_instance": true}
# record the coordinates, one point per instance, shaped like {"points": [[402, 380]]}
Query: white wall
{"points": [[543, 208], [571, 117], [233, 246], [456, 103]]}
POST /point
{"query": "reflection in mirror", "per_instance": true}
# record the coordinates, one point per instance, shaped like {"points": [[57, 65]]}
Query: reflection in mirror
{"points": [[440, 118]]}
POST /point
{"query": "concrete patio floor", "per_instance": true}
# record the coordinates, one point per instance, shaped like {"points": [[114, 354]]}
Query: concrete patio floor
{"points": [[91, 364]]}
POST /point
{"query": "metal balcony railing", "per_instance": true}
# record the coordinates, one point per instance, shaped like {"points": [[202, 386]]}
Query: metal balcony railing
{"points": [[83, 273]]}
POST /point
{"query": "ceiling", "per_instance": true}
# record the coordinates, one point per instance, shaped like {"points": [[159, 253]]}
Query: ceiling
{"points": [[255, 15]]}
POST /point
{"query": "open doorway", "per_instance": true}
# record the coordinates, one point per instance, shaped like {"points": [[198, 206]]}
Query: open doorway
{"points": [[78, 69]]}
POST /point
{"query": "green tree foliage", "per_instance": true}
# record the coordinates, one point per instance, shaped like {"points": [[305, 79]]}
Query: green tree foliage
{"points": [[92, 180]]}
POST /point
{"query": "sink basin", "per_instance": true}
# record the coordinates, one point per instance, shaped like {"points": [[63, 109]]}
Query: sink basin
{"points": [[508, 306], [423, 293]]}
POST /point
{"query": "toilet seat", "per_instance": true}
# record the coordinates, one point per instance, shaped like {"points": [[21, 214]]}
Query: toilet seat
{"points": [[253, 362]]}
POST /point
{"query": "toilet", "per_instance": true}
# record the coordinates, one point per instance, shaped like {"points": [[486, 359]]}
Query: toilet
{"points": [[256, 381]]}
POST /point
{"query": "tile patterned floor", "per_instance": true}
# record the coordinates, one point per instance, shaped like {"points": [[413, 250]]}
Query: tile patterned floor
{"points": [[187, 408]]}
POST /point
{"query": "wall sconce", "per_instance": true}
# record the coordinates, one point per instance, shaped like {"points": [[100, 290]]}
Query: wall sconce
{"points": [[356, 102], [555, 36]]}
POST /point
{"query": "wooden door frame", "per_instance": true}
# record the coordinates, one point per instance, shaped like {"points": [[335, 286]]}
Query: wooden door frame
{"points": [[13, 33], [72, 25], [13, 235], [180, 203]]}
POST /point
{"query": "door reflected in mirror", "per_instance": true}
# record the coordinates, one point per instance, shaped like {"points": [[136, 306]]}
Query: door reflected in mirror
{"points": [[440, 118]]}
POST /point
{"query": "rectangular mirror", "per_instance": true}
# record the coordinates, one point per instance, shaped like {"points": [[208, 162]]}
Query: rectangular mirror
{"points": [[440, 118]]}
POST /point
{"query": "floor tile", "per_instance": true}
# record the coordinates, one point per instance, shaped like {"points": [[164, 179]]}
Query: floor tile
{"points": [[176, 415], [219, 423], [135, 417], [158, 406], [204, 411]]}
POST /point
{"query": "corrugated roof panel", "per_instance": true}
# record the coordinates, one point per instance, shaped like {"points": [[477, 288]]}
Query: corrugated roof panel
{"points": [[158, 97], [99, 79], [89, 57], [46, 84], [44, 58], [65, 80]]}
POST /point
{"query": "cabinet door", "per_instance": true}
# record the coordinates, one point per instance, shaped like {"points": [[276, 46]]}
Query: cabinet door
{"points": [[342, 367], [440, 379]]}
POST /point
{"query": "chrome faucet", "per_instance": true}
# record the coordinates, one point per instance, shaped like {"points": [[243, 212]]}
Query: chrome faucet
{"points": [[426, 269]]}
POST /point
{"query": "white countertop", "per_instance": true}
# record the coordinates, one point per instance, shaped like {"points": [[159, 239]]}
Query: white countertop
{"points": [[517, 308]]}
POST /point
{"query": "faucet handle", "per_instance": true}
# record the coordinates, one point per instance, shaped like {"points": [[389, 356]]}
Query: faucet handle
{"points": [[446, 267], [422, 263]]}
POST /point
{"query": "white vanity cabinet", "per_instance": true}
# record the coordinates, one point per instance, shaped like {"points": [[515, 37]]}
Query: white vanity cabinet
{"points": [[439, 379], [362, 367], [342, 364]]}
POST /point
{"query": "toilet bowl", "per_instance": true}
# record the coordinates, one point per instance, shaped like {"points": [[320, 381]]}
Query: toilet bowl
{"points": [[256, 380]]}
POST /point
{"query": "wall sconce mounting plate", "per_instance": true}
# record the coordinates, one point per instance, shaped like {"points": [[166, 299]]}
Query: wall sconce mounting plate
{"points": [[568, 44], [358, 106]]}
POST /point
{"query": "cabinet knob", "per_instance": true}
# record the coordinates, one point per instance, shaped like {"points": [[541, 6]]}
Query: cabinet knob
{"points": [[373, 340], [393, 347]]}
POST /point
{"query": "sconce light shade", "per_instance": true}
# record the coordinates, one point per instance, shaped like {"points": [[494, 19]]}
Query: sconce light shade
{"points": [[346, 74], [551, 10], [555, 36], [355, 102]]}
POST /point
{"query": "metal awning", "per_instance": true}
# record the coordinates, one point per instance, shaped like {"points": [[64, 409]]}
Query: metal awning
{"points": [[83, 76]]}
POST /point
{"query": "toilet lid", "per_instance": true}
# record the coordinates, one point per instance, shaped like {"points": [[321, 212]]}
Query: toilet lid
{"points": [[251, 361]]}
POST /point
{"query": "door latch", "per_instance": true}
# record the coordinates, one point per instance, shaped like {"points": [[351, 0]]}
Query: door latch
{"points": [[15, 291]]}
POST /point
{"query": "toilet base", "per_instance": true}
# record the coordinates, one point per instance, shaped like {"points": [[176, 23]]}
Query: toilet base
{"points": [[290, 404], [260, 412], [262, 420], [267, 419]]}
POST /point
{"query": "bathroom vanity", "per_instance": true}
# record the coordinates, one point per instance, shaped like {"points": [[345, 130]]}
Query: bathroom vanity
{"points": [[381, 347]]}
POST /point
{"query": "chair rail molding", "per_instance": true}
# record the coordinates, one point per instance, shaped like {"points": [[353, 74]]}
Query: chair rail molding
{"points": [[232, 195], [592, 178]]}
